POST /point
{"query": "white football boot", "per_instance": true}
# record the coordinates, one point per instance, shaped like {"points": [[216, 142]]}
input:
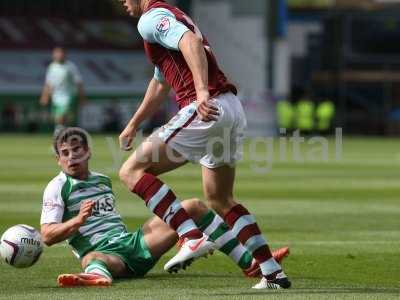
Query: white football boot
{"points": [[190, 250], [278, 280]]}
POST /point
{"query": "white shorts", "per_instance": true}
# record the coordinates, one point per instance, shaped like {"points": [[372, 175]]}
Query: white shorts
{"points": [[212, 144]]}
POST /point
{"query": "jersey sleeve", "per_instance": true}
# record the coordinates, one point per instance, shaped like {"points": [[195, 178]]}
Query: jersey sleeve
{"points": [[159, 25], [158, 75], [53, 205], [75, 73]]}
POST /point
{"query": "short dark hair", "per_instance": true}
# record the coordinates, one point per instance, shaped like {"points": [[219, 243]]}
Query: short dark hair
{"points": [[69, 134]]}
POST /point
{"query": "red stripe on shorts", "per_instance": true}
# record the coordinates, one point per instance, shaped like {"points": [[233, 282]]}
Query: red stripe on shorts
{"points": [[176, 131]]}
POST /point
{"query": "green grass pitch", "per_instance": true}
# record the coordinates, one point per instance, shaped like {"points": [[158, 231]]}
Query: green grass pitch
{"points": [[341, 219]]}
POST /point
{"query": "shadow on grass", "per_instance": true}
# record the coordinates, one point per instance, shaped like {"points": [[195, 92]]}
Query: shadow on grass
{"points": [[190, 275], [247, 292], [154, 276], [304, 291]]}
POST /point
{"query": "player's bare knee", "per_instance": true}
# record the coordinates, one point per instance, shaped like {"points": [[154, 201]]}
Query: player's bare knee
{"points": [[92, 256], [193, 204], [130, 175], [189, 205], [195, 208], [124, 174]]}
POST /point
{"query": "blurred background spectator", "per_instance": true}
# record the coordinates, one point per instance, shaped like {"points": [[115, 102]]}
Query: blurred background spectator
{"points": [[63, 90]]}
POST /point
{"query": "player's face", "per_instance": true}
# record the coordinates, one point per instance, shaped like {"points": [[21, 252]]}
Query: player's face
{"points": [[133, 7], [59, 55], [73, 158]]}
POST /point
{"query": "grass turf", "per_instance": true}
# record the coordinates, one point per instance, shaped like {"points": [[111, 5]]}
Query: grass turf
{"points": [[340, 218]]}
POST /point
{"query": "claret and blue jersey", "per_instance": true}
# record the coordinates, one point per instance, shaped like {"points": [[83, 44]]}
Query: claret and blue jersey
{"points": [[159, 26], [162, 27]]}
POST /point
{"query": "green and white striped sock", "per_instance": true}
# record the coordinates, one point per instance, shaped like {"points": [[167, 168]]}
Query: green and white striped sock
{"points": [[220, 233], [98, 267]]}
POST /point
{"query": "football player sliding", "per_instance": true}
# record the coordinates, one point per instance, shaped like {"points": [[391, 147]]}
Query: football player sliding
{"points": [[79, 206]]}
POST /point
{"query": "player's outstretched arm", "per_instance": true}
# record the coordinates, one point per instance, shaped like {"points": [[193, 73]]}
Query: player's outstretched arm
{"points": [[192, 49], [55, 233], [156, 93]]}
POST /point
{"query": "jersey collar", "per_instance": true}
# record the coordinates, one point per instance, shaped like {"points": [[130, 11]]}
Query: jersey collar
{"points": [[151, 5]]}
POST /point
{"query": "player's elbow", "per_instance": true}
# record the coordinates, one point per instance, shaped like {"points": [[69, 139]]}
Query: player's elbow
{"points": [[196, 40]]}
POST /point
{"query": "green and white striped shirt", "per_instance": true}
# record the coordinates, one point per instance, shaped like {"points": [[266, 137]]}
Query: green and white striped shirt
{"points": [[63, 79], [62, 200]]}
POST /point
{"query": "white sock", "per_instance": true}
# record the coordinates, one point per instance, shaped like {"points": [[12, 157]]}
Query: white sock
{"points": [[270, 266], [98, 267]]}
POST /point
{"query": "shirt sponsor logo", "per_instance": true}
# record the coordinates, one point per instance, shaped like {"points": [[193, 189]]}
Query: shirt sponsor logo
{"points": [[103, 206], [163, 25]]}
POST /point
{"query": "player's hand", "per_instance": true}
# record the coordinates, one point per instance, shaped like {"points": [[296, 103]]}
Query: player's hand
{"points": [[85, 211], [126, 138], [206, 110]]}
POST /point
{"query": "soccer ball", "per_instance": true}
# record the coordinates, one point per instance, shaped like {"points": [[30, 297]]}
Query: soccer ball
{"points": [[21, 246]]}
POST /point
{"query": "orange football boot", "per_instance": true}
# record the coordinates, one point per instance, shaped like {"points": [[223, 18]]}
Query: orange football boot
{"points": [[280, 254], [82, 279]]}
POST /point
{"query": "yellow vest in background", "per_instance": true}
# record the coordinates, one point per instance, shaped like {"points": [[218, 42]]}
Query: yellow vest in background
{"points": [[325, 114], [285, 114], [305, 115]]}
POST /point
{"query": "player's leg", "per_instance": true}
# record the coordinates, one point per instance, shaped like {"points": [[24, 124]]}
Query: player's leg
{"points": [[139, 173], [59, 113], [218, 189], [70, 117], [114, 264], [99, 269], [218, 181], [160, 238], [219, 232]]}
